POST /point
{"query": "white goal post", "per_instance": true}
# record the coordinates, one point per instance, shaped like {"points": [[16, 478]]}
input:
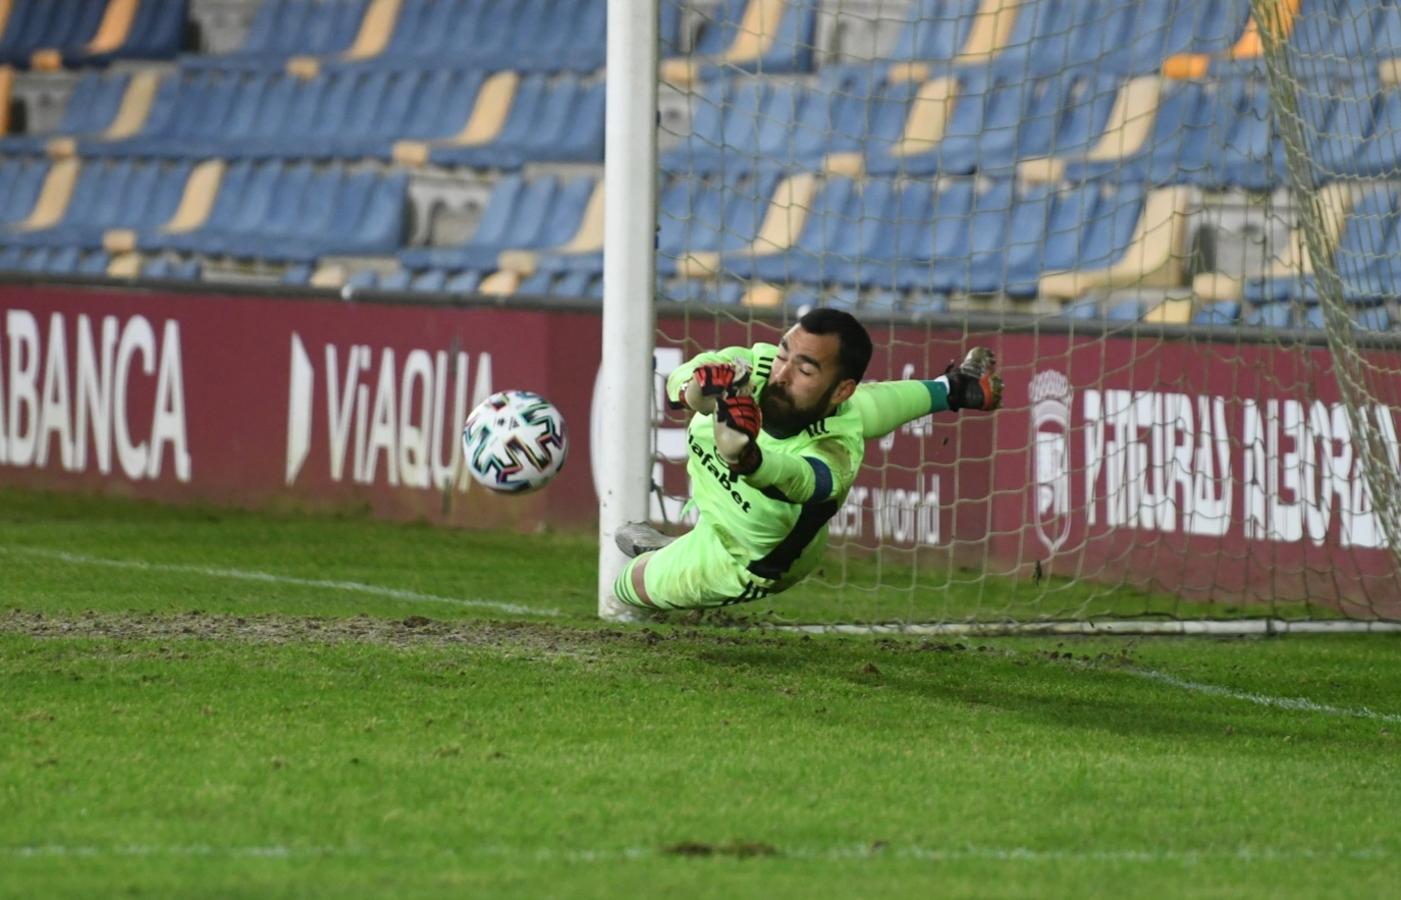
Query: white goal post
{"points": [[625, 452]]}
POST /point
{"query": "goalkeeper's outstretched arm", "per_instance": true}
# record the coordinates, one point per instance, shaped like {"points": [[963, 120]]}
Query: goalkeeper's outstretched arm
{"points": [[886, 405]]}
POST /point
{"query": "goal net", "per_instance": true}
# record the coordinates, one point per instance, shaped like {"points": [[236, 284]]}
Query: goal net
{"points": [[1174, 221]]}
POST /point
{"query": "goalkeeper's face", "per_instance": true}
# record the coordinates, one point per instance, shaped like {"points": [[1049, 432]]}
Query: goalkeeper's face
{"points": [[807, 382]]}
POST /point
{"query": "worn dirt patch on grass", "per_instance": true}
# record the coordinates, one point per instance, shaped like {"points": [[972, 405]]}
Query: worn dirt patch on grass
{"points": [[414, 631], [530, 638]]}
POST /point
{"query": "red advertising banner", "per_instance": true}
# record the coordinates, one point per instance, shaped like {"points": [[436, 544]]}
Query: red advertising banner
{"points": [[245, 400], [1210, 469]]}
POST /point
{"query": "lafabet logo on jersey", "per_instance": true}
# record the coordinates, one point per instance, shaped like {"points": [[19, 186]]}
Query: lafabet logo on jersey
{"points": [[1050, 457]]}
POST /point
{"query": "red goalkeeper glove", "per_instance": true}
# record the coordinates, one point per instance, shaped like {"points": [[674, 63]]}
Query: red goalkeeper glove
{"points": [[712, 381], [737, 423]]}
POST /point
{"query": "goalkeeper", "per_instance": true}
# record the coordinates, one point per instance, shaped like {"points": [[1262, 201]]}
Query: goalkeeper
{"points": [[776, 442]]}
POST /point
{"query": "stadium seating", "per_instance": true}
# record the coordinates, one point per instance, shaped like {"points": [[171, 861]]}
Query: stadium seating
{"points": [[345, 112], [276, 211], [51, 34], [531, 35], [740, 36], [1039, 151], [521, 215], [284, 28]]}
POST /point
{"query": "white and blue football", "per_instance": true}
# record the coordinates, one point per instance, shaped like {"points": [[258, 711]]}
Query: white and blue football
{"points": [[514, 442]]}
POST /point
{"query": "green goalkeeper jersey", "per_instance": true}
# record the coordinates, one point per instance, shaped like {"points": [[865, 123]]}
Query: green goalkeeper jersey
{"points": [[777, 517]]}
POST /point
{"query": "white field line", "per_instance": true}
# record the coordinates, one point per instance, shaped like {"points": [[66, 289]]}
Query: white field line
{"points": [[820, 854], [1299, 704], [1222, 627], [269, 578]]}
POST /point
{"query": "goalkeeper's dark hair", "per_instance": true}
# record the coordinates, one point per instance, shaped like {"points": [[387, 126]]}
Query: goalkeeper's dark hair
{"points": [[855, 352]]}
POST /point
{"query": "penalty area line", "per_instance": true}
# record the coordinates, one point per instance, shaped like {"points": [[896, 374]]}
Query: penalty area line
{"points": [[372, 590], [1297, 704]]}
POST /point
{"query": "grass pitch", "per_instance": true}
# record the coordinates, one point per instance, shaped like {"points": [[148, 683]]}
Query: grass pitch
{"points": [[207, 703]]}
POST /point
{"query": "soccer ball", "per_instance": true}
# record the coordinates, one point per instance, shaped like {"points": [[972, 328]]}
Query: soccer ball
{"points": [[514, 442]]}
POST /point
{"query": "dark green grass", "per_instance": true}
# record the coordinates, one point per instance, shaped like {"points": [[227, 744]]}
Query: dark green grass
{"points": [[208, 756], [555, 573]]}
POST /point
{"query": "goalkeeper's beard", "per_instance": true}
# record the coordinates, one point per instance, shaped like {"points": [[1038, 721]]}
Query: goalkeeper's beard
{"points": [[783, 418]]}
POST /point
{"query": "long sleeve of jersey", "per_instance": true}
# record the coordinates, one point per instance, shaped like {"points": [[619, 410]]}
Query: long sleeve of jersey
{"points": [[823, 472], [825, 469], [886, 405]]}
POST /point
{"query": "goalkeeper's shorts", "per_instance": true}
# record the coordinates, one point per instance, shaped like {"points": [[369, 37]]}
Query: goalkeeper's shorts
{"points": [[702, 568]]}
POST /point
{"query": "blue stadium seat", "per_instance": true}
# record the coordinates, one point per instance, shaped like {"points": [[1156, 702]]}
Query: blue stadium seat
{"points": [[801, 296], [157, 31], [64, 261], [1127, 310], [965, 237], [885, 302], [826, 225], [283, 28], [538, 284], [112, 194], [1271, 315], [1328, 38], [1213, 134], [1126, 37], [574, 37], [344, 112], [743, 125], [724, 131], [1386, 32], [528, 36], [520, 215], [1087, 227], [1369, 318], [1047, 34], [1364, 258], [430, 281], [1222, 312], [21, 180], [934, 30], [363, 280], [791, 49], [576, 284], [706, 216], [295, 213], [886, 240], [710, 293], [463, 282], [89, 111], [978, 263], [1378, 151], [1147, 33], [94, 263], [555, 120], [999, 118], [48, 25]]}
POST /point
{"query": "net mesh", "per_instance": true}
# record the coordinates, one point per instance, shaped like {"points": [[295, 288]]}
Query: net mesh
{"points": [[1174, 221]]}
